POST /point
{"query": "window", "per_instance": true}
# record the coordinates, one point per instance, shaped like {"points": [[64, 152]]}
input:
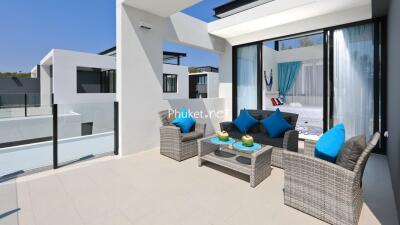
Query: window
{"points": [[198, 86], [301, 42], [94, 80], [170, 83], [173, 58]]}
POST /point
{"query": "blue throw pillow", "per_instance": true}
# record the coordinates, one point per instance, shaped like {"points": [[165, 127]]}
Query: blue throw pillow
{"points": [[330, 143], [245, 121], [276, 125], [184, 121]]}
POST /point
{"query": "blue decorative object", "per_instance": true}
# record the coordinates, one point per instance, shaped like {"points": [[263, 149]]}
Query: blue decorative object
{"points": [[184, 121], [287, 74], [268, 81], [275, 124], [215, 140], [330, 143], [239, 146], [245, 121]]}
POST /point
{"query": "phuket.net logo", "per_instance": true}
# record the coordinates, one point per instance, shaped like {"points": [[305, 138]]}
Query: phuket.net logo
{"points": [[197, 114]]}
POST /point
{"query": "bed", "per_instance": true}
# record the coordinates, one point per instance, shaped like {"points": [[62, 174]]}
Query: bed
{"points": [[310, 121]]}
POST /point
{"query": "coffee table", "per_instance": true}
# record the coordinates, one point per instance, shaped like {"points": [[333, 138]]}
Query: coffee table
{"points": [[256, 164]]}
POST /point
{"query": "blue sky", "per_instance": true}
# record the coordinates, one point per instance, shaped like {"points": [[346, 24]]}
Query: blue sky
{"points": [[30, 29]]}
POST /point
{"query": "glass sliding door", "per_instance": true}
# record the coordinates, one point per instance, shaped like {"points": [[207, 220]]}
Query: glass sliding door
{"points": [[247, 77], [353, 79]]}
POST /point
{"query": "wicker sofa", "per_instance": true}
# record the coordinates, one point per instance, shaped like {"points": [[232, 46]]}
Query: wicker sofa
{"points": [[288, 141], [177, 145], [323, 189]]}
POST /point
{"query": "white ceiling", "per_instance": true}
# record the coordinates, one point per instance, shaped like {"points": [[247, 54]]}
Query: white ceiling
{"points": [[277, 13], [163, 8]]}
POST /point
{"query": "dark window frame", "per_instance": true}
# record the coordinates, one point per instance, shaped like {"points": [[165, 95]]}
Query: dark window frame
{"points": [[106, 80], [328, 68], [174, 85]]}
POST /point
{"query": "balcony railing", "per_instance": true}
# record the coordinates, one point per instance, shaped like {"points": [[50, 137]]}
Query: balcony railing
{"points": [[69, 133]]}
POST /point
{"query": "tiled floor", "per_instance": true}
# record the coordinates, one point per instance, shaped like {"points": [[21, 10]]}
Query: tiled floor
{"points": [[150, 189]]}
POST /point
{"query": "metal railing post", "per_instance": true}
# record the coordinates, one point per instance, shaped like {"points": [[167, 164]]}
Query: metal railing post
{"points": [[55, 136], [26, 102], [116, 129]]}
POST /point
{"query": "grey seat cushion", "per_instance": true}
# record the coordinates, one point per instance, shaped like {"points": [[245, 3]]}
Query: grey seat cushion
{"points": [[191, 136], [351, 151]]}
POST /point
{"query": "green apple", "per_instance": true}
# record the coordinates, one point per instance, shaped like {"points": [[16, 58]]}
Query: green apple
{"points": [[247, 140], [223, 136]]}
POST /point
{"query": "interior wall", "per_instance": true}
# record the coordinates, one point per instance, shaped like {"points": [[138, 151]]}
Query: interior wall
{"points": [[271, 58], [393, 147], [269, 64]]}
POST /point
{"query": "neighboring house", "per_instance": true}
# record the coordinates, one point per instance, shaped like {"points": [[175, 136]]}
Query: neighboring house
{"points": [[178, 82], [77, 77], [204, 84], [81, 84]]}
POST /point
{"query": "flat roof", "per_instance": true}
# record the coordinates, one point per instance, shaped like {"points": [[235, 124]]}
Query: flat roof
{"points": [[165, 53], [237, 6]]}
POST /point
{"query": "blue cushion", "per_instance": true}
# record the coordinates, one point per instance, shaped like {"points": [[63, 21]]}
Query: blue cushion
{"points": [[275, 124], [245, 121], [184, 121], [330, 143]]}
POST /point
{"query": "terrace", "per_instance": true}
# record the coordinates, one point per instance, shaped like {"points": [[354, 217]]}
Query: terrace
{"points": [[103, 152]]}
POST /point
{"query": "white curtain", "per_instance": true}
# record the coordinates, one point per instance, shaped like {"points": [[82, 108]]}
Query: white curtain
{"points": [[353, 79], [308, 88], [247, 77]]}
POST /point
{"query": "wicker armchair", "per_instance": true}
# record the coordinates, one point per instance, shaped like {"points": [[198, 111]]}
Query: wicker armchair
{"points": [[175, 144], [322, 189]]}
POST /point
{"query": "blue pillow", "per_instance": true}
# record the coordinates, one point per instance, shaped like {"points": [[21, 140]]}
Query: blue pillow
{"points": [[184, 121], [245, 121], [330, 143], [275, 124]]}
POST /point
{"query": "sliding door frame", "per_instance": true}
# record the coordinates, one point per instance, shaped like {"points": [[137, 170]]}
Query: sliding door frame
{"points": [[234, 76], [380, 78]]}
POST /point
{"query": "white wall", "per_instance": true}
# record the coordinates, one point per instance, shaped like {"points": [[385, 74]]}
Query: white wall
{"points": [[45, 85], [139, 87], [212, 85], [65, 65], [139, 65], [182, 81], [225, 79], [25, 128]]}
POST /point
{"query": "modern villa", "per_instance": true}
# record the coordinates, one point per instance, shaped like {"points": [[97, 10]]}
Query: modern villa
{"points": [[298, 124]]}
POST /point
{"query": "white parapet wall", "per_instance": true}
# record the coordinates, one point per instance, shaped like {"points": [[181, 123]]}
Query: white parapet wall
{"points": [[38, 156]]}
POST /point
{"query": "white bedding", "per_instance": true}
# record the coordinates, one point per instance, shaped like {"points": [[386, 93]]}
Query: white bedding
{"points": [[304, 112]]}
